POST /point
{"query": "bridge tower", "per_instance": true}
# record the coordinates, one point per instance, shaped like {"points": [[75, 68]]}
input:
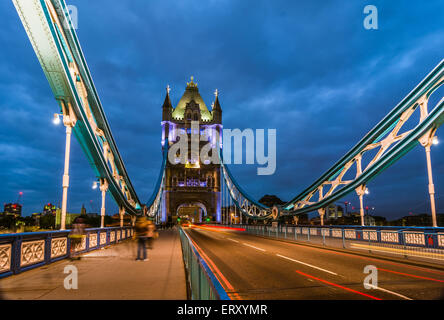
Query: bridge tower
{"points": [[192, 189]]}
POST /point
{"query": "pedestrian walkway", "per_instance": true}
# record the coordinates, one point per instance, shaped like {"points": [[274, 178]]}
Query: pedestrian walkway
{"points": [[111, 273]]}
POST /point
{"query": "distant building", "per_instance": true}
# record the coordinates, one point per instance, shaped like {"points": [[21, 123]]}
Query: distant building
{"points": [[369, 220], [92, 215], [380, 221], [13, 209], [83, 210], [334, 212], [36, 217], [70, 217], [420, 220], [49, 209]]}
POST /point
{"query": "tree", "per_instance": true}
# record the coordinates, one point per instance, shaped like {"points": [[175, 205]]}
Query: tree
{"points": [[271, 200], [7, 221], [47, 221]]}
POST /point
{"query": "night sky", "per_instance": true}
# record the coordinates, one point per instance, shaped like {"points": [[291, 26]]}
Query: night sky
{"points": [[307, 68]]}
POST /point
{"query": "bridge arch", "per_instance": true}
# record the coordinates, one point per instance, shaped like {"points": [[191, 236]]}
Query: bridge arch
{"points": [[195, 215]]}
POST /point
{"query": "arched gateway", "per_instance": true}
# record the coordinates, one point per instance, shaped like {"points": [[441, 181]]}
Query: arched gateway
{"points": [[194, 212], [193, 184]]}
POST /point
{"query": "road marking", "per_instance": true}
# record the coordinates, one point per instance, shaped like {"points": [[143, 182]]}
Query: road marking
{"points": [[249, 245], [338, 286], [232, 240], [309, 265], [388, 291], [411, 275], [380, 260]]}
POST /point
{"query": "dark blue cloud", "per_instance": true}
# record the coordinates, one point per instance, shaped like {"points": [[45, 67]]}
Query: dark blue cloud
{"points": [[307, 68]]}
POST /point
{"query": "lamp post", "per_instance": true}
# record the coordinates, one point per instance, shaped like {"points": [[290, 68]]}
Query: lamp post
{"points": [[69, 121], [103, 189], [427, 141], [361, 190]]}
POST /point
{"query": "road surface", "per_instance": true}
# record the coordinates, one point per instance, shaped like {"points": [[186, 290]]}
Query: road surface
{"points": [[251, 267]]}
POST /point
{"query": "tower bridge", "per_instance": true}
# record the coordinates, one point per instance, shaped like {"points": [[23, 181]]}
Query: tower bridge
{"points": [[193, 183], [228, 260]]}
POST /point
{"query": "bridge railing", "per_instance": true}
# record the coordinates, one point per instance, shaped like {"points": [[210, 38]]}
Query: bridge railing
{"points": [[416, 243], [202, 282], [24, 251]]}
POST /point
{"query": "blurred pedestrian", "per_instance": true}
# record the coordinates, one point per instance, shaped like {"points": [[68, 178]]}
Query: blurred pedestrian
{"points": [[141, 235], [76, 236], [151, 233]]}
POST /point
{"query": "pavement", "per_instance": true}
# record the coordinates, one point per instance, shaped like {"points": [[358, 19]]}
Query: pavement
{"points": [[251, 267], [108, 274]]}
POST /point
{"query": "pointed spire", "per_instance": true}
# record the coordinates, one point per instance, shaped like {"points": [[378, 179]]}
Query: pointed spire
{"points": [[167, 101], [216, 109], [167, 107], [216, 104]]}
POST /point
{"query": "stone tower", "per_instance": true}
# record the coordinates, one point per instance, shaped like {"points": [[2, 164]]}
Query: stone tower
{"points": [[192, 189]]}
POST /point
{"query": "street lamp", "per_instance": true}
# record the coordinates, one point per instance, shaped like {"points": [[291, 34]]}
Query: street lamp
{"points": [[361, 191], [56, 119], [427, 141], [95, 184]]}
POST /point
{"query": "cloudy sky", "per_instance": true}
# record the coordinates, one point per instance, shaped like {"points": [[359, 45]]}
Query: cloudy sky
{"points": [[307, 68]]}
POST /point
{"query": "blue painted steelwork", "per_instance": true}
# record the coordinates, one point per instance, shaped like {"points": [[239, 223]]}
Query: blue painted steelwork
{"points": [[154, 203], [17, 240], [65, 89], [398, 146], [247, 206], [433, 120], [211, 283], [435, 234], [55, 42]]}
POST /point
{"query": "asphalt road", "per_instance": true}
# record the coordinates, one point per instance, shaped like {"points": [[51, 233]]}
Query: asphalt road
{"points": [[251, 267]]}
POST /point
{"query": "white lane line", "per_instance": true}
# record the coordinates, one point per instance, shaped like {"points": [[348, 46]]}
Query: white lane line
{"points": [[309, 265], [232, 240], [249, 245], [388, 291]]}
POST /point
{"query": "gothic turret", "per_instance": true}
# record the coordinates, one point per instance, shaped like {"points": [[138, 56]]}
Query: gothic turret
{"points": [[217, 110], [167, 107], [191, 188], [167, 110]]}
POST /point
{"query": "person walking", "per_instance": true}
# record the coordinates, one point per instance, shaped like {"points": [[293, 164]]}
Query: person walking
{"points": [[151, 233], [141, 234], [76, 236]]}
